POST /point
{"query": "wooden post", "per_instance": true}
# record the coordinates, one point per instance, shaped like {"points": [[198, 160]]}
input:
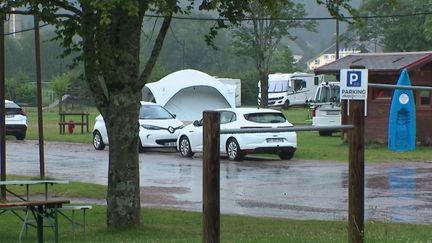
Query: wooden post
{"points": [[2, 107], [39, 98], [211, 177], [356, 172]]}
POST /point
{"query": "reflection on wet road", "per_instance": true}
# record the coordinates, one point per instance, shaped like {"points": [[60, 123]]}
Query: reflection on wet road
{"points": [[398, 192]]}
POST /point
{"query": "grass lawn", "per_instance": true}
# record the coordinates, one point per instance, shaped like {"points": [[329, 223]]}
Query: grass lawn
{"points": [[162, 225]]}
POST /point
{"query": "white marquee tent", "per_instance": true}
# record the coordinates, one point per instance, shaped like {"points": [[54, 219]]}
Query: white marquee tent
{"points": [[187, 93]]}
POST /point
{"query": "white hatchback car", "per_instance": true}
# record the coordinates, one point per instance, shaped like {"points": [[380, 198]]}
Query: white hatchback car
{"points": [[236, 146], [16, 120], [158, 128]]}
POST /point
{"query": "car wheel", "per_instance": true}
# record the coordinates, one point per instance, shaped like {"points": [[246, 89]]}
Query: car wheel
{"points": [[185, 147], [233, 150], [141, 148], [285, 106], [325, 133], [20, 136], [286, 154], [98, 143]]}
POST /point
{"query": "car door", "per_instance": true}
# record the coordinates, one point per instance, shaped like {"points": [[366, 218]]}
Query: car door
{"points": [[195, 134], [227, 119]]}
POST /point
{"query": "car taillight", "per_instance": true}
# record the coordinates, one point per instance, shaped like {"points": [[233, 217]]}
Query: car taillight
{"points": [[313, 111], [21, 112]]}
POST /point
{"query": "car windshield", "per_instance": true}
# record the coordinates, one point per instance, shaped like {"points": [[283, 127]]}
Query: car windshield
{"points": [[154, 112], [268, 117], [329, 94]]}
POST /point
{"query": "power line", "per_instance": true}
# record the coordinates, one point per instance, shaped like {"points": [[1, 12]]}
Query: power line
{"points": [[25, 30], [298, 19], [249, 19]]}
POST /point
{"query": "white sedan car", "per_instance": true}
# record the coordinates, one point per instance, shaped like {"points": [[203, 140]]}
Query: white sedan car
{"points": [[158, 128], [190, 139]]}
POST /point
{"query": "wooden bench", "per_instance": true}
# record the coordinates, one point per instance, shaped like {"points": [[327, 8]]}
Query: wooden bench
{"points": [[83, 121], [47, 209]]}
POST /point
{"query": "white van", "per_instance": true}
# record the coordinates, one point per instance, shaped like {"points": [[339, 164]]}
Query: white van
{"points": [[326, 107], [287, 89]]}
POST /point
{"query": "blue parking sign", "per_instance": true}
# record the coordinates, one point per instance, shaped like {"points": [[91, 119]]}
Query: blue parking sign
{"points": [[354, 78], [354, 84]]}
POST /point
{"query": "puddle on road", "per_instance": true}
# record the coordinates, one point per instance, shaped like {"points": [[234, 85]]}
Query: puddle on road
{"points": [[303, 190]]}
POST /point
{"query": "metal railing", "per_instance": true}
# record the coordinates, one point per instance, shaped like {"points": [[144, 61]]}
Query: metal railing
{"points": [[287, 129]]}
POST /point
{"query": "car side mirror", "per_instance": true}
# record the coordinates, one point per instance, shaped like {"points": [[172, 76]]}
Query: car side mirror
{"points": [[196, 123]]}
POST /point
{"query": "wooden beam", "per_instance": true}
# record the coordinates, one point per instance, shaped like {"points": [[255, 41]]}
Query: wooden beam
{"points": [[211, 177]]}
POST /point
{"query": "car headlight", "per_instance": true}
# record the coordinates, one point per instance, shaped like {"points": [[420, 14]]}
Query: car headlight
{"points": [[150, 127]]}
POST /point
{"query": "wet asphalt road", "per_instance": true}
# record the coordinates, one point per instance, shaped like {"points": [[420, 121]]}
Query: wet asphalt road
{"points": [[398, 192]]}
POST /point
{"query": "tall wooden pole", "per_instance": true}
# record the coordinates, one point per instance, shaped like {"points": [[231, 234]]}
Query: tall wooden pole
{"points": [[2, 106], [356, 172], [211, 177], [337, 39], [39, 98]]}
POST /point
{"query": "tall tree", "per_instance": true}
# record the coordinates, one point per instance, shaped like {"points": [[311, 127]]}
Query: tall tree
{"points": [[260, 36], [60, 85], [400, 27], [106, 34]]}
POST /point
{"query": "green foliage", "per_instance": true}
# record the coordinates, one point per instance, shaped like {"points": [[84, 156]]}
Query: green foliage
{"points": [[19, 89], [183, 50], [249, 92], [60, 84], [283, 61], [20, 55], [408, 33], [260, 36]]}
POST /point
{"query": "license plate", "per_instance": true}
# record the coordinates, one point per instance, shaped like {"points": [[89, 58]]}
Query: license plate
{"points": [[332, 112], [275, 140], [9, 116], [171, 144]]}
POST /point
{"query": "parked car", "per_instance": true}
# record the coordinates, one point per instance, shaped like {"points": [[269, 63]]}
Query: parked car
{"points": [[16, 120], [158, 128], [237, 145], [326, 107]]}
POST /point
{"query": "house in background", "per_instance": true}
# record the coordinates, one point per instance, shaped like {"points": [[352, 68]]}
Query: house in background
{"points": [[328, 56], [385, 68]]}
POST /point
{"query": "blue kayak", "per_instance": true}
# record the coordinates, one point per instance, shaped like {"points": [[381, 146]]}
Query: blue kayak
{"points": [[402, 118]]}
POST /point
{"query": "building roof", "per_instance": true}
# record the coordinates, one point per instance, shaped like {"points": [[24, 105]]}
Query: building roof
{"points": [[384, 63]]}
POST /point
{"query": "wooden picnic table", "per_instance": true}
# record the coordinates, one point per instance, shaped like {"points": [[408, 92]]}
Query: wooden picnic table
{"points": [[39, 209]]}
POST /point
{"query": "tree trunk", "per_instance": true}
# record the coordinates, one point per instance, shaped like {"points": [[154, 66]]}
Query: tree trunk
{"points": [[111, 65], [264, 88], [123, 197]]}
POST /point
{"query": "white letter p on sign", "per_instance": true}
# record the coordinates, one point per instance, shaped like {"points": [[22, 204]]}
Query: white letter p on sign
{"points": [[353, 77]]}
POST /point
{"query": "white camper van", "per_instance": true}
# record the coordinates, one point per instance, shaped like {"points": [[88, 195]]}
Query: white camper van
{"points": [[326, 107], [287, 89]]}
